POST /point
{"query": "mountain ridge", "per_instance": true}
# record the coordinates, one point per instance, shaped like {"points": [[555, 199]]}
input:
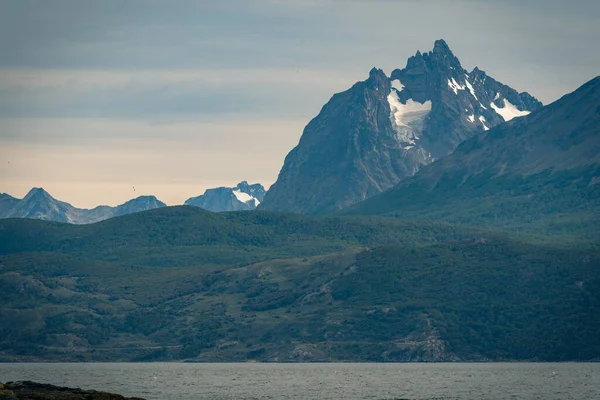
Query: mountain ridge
{"points": [[384, 129], [39, 204], [545, 164], [242, 197]]}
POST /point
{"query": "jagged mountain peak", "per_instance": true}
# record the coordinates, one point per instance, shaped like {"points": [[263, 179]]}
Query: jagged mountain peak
{"points": [[255, 188], [476, 71], [242, 197], [441, 52], [440, 46], [383, 129], [440, 59], [545, 166], [464, 102], [377, 73]]}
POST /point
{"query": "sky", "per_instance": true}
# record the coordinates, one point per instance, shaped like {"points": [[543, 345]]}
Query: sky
{"points": [[172, 98]]}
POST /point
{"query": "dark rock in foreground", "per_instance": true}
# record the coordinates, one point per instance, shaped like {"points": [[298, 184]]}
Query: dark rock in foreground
{"points": [[27, 390]]}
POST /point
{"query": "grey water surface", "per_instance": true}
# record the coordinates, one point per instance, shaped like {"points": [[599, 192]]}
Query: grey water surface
{"points": [[179, 381]]}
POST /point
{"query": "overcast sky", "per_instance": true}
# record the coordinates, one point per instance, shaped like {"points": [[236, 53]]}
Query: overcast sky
{"points": [[174, 97]]}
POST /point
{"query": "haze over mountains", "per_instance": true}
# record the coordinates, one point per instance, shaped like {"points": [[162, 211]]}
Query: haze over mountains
{"points": [[39, 204], [384, 129]]}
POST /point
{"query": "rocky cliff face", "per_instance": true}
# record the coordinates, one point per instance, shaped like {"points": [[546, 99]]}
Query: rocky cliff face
{"points": [[545, 165], [39, 204], [384, 129], [240, 198]]}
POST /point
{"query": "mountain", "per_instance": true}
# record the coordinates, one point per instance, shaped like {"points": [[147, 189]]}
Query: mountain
{"points": [[182, 283], [141, 203], [239, 198], [368, 138], [543, 168], [7, 202], [39, 204]]}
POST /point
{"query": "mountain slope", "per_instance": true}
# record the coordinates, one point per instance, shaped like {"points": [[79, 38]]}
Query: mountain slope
{"points": [[239, 198], [543, 166], [7, 202], [181, 283], [39, 204], [381, 130]]}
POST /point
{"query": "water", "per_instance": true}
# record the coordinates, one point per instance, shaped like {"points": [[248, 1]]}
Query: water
{"points": [[177, 381]]}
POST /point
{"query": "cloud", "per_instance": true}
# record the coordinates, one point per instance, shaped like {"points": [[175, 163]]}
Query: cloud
{"points": [[149, 94], [342, 36]]}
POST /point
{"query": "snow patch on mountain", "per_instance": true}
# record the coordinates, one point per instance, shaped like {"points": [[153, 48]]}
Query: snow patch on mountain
{"points": [[242, 197], [471, 118], [245, 198], [396, 84], [405, 114], [509, 111], [407, 118], [482, 120], [455, 86], [471, 89]]}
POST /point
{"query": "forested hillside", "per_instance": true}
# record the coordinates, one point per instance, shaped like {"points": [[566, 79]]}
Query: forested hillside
{"points": [[180, 283]]}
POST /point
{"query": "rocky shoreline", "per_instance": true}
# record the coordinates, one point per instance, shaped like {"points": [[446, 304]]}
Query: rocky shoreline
{"points": [[27, 390]]}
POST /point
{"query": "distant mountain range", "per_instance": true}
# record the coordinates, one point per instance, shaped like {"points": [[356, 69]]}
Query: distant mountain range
{"points": [[39, 204], [543, 167], [382, 130], [239, 198]]}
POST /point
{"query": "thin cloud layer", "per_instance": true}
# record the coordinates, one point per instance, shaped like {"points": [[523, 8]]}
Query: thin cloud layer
{"points": [[115, 77]]}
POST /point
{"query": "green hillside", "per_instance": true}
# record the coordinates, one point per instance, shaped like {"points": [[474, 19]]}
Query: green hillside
{"points": [[180, 283]]}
